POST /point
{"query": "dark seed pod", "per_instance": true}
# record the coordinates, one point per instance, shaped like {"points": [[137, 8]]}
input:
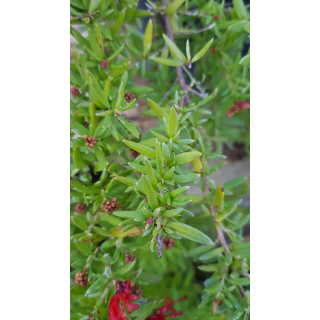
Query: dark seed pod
{"points": [[130, 257], [110, 206], [169, 243], [80, 207], [81, 278], [104, 64], [90, 141], [129, 96], [75, 91]]}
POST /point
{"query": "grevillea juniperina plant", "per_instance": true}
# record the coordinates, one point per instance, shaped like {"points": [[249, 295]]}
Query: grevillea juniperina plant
{"points": [[147, 221]]}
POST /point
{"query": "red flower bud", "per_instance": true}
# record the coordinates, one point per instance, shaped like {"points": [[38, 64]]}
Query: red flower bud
{"points": [[237, 107], [150, 221], [160, 315]]}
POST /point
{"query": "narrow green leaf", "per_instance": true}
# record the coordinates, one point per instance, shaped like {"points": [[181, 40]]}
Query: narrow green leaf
{"points": [[189, 232], [234, 183], [168, 62], [214, 267], [185, 178], [110, 219], [172, 7], [117, 25], [147, 41], [133, 129], [96, 90], [215, 168], [144, 311], [146, 151], [94, 42], [79, 223], [120, 95], [150, 173], [202, 51], [125, 268], [103, 126], [159, 159], [174, 49], [140, 90], [151, 196], [239, 281], [186, 157], [175, 193], [240, 9], [169, 173], [158, 110], [125, 180], [94, 5], [129, 214], [199, 250], [211, 255], [83, 41], [115, 54], [88, 190], [160, 137], [113, 129], [101, 231], [245, 60], [188, 50], [137, 167], [107, 87], [173, 123], [99, 284], [171, 213], [77, 159]]}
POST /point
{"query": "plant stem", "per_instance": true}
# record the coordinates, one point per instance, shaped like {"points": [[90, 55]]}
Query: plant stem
{"points": [[220, 234], [196, 31], [185, 98], [167, 94]]}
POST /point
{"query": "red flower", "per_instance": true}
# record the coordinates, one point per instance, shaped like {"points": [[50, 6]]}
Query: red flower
{"points": [[114, 310], [160, 312], [122, 294], [237, 107]]}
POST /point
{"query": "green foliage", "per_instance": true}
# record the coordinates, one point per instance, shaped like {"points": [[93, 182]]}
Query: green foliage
{"points": [[130, 190]]}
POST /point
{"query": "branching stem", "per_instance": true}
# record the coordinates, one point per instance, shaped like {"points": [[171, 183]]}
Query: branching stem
{"points": [[196, 31], [185, 98]]}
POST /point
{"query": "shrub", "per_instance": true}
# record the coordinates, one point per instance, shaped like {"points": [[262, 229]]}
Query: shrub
{"points": [[138, 234]]}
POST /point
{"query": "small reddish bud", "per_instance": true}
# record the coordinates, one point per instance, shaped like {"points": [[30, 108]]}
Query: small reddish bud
{"points": [[110, 206], [216, 18], [80, 207], [81, 278], [150, 221], [129, 96], [104, 64], [135, 154], [145, 200], [237, 107], [213, 50], [75, 91], [130, 257], [168, 207], [90, 141], [169, 243]]}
